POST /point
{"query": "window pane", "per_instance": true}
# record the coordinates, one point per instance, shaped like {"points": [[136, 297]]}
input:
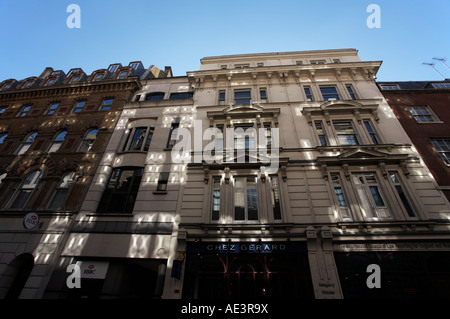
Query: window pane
{"points": [[340, 196], [252, 202], [155, 96], [376, 196], [58, 199], [239, 204], [405, 201], [21, 199], [242, 97], [216, 205], [276, 207], [67, 180], [149, 139], [329, 93], [138, 139]]}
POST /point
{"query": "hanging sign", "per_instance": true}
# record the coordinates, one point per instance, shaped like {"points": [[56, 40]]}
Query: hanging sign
{"points": [[31, 220]]}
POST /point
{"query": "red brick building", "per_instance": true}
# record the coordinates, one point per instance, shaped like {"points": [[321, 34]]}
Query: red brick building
{"points": [[54, 129], [422, 107]]}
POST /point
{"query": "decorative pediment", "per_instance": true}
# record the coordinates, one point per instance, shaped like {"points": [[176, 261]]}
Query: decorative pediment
{"points": [[339, 107], [362, 156], [245, 108]]}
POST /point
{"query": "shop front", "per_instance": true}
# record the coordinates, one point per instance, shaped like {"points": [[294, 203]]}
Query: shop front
{"points": [[246, 270], [408, 269]]}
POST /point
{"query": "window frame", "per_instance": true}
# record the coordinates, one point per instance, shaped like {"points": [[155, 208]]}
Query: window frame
{"points": [[222, 97], [373, 135], [215, 215], [327, 97], [145, 146], [85, 139], [351, 92], [106, 107], [25, 188], [163, 183], [242, 99], [366, 189], [106, 201], [355, 132], [172, 140], [441, 151], [263, 96], [319, 134], [27, 143], [309, 96], [181, 95], [389, 86], [57, 142], [429, 113], [3, 136], [246, 188], [25, 110], [62, 190], [76, 107], [155, 96], [402, 194], [336, 182], [52, 109]]}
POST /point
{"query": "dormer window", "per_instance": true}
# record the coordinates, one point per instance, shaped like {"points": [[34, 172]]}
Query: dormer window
{"points": [[28, 83], [122, 75], [73, 71], [113, 68], [6, 86], [74, 79], [99, 76], [135, 65], [50, 81]]}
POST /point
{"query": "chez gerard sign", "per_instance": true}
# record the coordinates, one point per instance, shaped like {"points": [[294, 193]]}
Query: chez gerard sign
{"points": [[245, 247]]}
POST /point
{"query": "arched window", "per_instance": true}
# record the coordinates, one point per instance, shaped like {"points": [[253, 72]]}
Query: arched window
{"points": [[27, 188], [88, 140], [2, 177], [57, 141], [3, 136], [62, 190], [26, 144]]}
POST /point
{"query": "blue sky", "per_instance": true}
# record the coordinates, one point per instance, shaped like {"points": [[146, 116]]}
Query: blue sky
{"points": [[179, 33]]}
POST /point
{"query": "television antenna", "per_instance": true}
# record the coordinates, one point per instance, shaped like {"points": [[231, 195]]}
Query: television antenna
{"points": [[442, 61], [432, 65]]}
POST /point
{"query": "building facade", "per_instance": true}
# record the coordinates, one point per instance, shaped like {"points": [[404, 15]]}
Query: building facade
{"points": [[126, 228], [54, 131], [348, 189], [422, 109], [273, 175]]}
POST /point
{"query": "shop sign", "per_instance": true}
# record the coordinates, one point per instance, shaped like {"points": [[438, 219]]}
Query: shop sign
{"points": [[248, 248], [93, 269], [31, 220]]}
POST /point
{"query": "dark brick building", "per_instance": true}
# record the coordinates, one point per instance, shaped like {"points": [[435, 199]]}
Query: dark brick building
{"points": [[54, 129], [422, 107]]}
